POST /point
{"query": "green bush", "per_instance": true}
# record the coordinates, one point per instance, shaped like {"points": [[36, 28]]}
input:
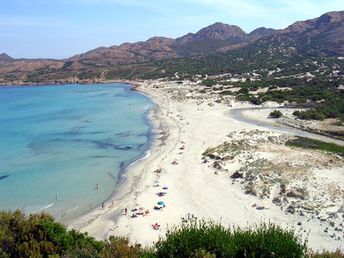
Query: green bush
{"points": [[311, 114], [209, 83], [276, 114], [244, 90], [38, 235], [266, 240], [255, 101], [119, 247], [308, 143]]}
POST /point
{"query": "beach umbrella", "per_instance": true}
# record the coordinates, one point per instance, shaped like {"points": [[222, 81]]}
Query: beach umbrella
{"points": [[161, 203]]}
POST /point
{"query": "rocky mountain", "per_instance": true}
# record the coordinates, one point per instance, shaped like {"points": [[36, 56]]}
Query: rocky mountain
{"points": [[208, 40], [4, 58], [319, 36], [322, 36], [261, 32], [153, 49]]}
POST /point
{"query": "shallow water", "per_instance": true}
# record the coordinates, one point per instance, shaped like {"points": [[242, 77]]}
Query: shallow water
{"points": [[58, 142]]}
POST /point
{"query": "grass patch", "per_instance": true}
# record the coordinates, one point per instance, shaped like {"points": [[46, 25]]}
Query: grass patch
{"points": [[308, 143]]}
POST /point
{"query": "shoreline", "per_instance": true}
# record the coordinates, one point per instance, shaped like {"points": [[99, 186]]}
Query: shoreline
{"points": [[67, 83], [73, 213], [184, 130], [121, 177], [126, 181]]}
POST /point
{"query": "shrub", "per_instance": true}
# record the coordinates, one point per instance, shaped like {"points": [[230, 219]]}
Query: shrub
{"points": [[119, 247], [308, 143], [244, 90], [256, 101], [276, 114], [266, 240], [326, 254], [311, 114], [209, 83], [38, 235]]}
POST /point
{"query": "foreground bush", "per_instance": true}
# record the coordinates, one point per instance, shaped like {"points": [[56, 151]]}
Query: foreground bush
{"points": [[39, 236], [266, 240]]}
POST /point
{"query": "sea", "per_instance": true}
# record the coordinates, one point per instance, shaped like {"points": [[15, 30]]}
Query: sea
{"points": [[64, 149]]}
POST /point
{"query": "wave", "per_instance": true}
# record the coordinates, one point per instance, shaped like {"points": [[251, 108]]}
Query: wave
{"points": [[45, 207], [145, 156]]}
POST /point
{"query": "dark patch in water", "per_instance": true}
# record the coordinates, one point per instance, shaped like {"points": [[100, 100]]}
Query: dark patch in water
{"points": [[122, 165], [106, 145], [122, 95], [128, 134], [3, 177], [94, 133], [124, 134], [112, 176], [142, 146], [98, 95], [37, 144], [103, 157]]}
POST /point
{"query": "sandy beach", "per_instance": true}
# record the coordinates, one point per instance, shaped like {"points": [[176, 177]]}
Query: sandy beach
{"points": [[192, 186]]}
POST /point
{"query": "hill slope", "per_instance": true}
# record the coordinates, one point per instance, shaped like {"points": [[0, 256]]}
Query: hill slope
{"points": [[319, 37]]}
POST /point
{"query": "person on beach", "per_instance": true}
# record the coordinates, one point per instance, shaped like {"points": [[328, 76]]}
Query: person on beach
{"points": [[125, 211], [103, 205]]}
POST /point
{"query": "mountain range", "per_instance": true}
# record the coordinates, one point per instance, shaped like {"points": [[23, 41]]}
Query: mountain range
{"points": [[322, 36]]}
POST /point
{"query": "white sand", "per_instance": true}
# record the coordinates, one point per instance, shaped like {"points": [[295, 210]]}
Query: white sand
{"points": [[192, 185]]}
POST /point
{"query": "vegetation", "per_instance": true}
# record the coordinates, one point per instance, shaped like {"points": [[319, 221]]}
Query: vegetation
{"points": [[316, 144], [276, 114], [266, 240], [209, 83], [39, 236], [322, 102], [311, 114]]}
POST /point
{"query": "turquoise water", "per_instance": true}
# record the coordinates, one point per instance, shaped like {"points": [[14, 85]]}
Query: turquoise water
{"points": [[58, 142]]}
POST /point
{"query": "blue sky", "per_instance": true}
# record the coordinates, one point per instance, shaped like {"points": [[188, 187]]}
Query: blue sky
{"points": [[62, 28]]}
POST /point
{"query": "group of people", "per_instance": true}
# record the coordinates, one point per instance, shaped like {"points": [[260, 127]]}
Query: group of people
{"points": [[189, 218], [137, 212]]}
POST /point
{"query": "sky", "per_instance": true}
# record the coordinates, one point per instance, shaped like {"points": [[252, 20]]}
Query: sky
{"points": [[62, 28]]}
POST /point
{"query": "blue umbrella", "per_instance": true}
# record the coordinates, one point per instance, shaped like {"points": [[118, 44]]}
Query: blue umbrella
{"points": [[161, 203]]}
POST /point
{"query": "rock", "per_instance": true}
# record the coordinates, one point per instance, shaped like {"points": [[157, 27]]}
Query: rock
{"points": [[277, 200], [217, 165], [236, 175], [295, 194], [290, 209], [213, 156]]}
